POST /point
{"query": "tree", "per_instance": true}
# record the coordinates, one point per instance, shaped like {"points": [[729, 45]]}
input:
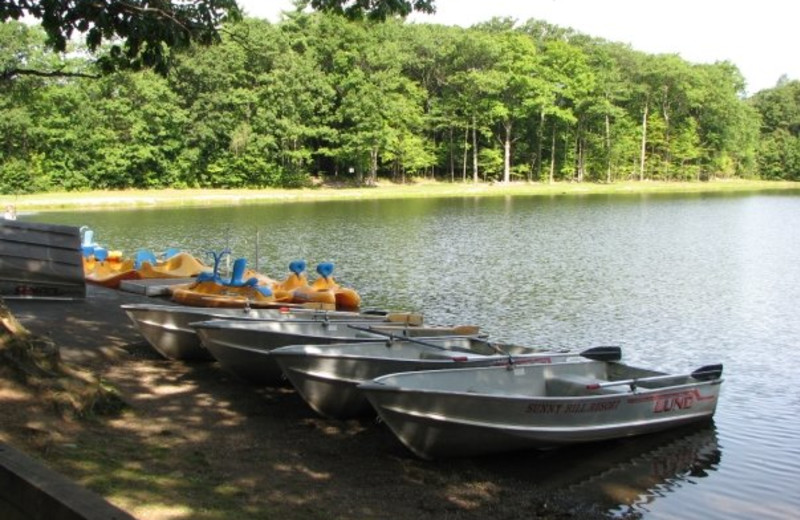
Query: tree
{"points": [[564, 71], [604, 106], [372, 9], [377, 108], [431, 50], [143, 32], [467, 91], [727, 126], [318, 93], [519, 88], [779, 108]]}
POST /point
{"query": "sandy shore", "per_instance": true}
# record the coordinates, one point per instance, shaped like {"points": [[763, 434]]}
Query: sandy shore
{"points": [[197, 443], [209, 197]]}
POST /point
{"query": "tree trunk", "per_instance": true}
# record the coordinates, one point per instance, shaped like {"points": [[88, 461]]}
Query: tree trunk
{"points": [[466, 150], [539, 139], [474, 152], [432, 167], [553, 155], [667, 154], [608, 149], [507, 153], [452, 157], [580, 159], [373, 166], [644, 141]]}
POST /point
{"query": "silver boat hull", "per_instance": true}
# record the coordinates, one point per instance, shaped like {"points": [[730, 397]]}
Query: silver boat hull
{"points": [[465, 412], [168, 331], [232, 342], [252, 365], [327, 376]]}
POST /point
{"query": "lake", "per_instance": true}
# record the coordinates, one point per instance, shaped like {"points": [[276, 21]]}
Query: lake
{"points": [[677, 281]]}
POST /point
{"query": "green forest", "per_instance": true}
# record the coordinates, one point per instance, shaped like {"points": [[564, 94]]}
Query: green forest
{"points": [[319, 96]]}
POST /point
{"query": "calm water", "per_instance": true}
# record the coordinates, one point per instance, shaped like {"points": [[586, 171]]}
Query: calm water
{"points": [[677, 281]]}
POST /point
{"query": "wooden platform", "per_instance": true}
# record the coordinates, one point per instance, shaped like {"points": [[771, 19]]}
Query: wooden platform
{"points": [[152, 286], [41, 261]]}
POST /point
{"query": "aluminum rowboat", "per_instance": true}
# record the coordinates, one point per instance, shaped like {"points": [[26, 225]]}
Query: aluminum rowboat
{"points": [[167, 327], [238, 345], [473, 411], [327, 376]]}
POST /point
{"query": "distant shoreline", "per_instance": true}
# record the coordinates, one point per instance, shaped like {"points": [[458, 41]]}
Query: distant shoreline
{"points": [[104, 200]]}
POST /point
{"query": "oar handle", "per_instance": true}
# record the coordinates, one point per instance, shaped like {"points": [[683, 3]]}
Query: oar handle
{"points": [[410, 318], [705, 373], [491, 344], [633, 381], [393, 336]]}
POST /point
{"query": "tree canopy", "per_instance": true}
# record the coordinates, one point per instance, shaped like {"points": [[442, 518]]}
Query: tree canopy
{"points": [[319, 95], [372, 9], [143, 33]]}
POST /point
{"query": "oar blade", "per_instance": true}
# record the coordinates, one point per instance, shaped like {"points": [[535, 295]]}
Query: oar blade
{"points": [[708, 372], [409, 318], [603, 353]]}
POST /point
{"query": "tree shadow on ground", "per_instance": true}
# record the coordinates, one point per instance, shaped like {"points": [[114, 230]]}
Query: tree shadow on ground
{"points": [[196, 442]]}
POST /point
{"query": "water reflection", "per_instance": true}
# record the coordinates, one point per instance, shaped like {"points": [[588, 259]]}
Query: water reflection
{"points": [[677, 281], [621, 478], [637, 482]]}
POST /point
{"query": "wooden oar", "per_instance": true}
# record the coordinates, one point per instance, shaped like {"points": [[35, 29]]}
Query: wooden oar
{"points": [[704, 373], [411, 318], [391, 335], [430, 331], [390, 318], [607, 353], [708, 372], [602, 353]]}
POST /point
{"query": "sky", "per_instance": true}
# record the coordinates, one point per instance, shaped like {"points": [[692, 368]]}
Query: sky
{"points": [[761, 37]]}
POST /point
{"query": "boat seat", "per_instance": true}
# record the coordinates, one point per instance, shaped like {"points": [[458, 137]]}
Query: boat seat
{"points": [[568, 385], [205, 276], [297, 266], [265, 291], [142, 256], [662, 383], [449, 354], [325, 269], [238, 273], [88, 238]]}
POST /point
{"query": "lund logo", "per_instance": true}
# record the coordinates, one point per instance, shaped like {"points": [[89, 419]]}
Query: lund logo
{"points": [[680, 401]]}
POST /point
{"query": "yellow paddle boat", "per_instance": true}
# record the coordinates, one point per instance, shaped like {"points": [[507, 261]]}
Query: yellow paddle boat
{"points": [[325, 290], [108, 268], [210, 290], [295, 288], [249, 288], [180, 265], [344, 297]]}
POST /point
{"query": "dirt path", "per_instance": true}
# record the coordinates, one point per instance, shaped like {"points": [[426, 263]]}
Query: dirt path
{"points": [[197, 443]]}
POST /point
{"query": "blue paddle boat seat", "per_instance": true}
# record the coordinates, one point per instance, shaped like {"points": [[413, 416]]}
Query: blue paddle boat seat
{"points": [[144, 255], [172, 251], [236, 280]]}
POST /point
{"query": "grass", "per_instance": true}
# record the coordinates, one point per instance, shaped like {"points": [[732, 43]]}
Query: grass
{"points": [[134, 475], [419, 189]]}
